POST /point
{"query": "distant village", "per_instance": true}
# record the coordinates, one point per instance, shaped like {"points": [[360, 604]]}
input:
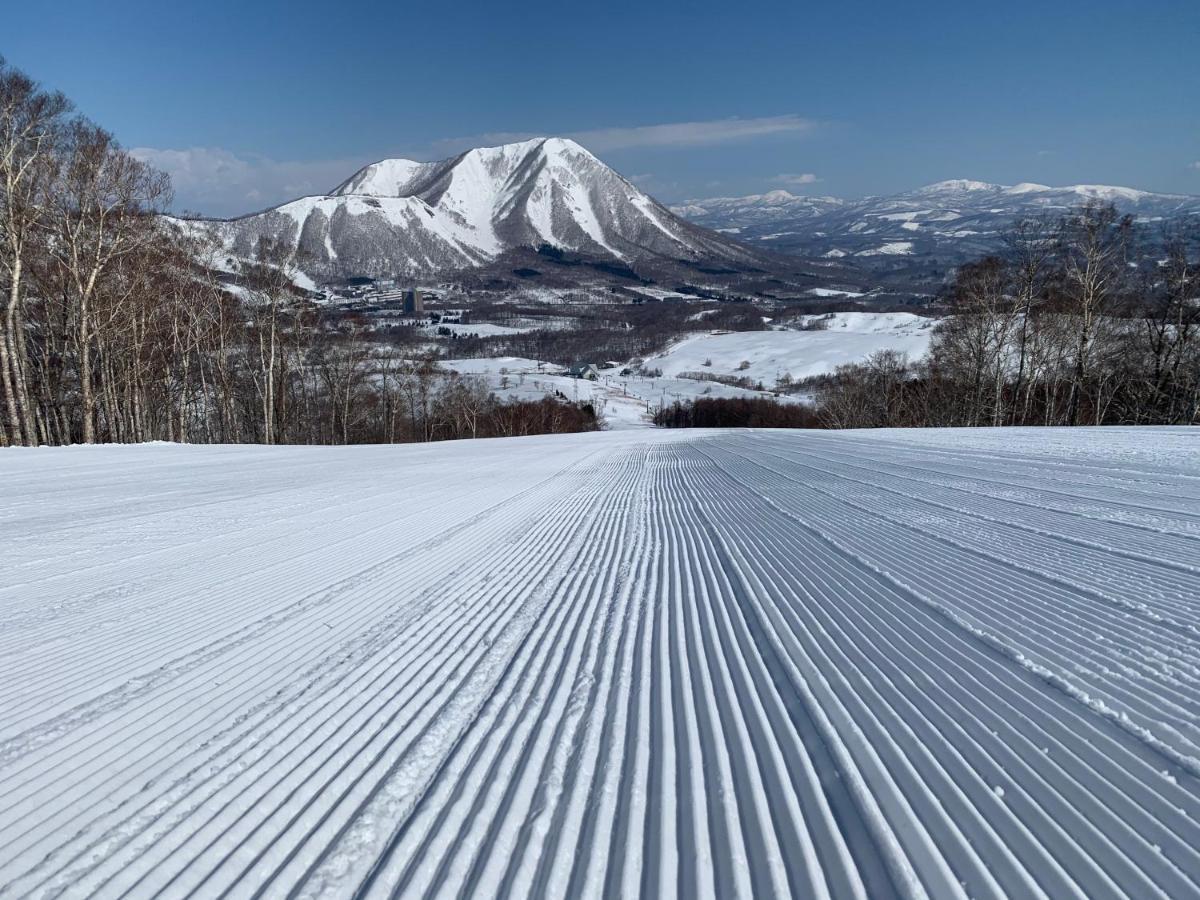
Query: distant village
{"points": [[389, 307], [384, 293], [360, 292], [385, 302]]}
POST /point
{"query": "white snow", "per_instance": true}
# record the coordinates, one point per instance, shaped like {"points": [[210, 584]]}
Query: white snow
{"points": [[624, 401], [850, 337], [1028, 187], [464, 211], [959, 184], [661, 294], [833, 292], [891, 248], [1108, 192], [386, 178], [480, 329], [699, 664]]}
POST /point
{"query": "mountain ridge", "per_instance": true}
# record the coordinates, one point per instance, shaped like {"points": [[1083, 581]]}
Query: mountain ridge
{"points": [[936, 225], [410, 218]]}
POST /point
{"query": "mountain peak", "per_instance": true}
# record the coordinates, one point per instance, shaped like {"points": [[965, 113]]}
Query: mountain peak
{"points": [[560, 144], [386, 178], [402, 216], [958, 184], [1108, 192], [1028, 187], [405, 177]]}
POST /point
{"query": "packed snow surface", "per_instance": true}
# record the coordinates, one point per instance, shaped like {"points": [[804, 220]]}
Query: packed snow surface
{"points": [[647, 663]]}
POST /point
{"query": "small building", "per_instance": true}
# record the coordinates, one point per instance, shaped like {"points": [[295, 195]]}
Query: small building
{"points": [[584, 370], [414, 303]]}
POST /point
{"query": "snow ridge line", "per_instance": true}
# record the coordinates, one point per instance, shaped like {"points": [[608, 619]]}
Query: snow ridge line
{"points": [[1169, 685]]}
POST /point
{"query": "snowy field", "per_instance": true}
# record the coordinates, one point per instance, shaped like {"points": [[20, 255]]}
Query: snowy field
{"points": [[849, 338], [624, 401], [628, 401], [631, 663]]}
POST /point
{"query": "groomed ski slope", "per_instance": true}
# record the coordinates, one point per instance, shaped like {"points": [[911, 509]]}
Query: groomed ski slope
{"points": [[625, 664]]}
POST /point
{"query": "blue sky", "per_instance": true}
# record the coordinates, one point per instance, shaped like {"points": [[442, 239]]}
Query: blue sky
{"points": [[252, 103]]}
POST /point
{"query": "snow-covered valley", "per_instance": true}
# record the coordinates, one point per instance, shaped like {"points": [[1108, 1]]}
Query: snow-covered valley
{"points": [[693, 366], [940, 663], [767, 356]]}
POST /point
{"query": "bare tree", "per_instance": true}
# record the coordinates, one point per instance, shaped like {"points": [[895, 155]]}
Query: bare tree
{"points": [[1094, 252], [31, 124], [1029, 249], [975, 343], [105, 203], [272, 291]]}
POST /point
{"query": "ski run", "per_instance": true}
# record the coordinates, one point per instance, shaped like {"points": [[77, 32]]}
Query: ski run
{"points": [[693, 664]]}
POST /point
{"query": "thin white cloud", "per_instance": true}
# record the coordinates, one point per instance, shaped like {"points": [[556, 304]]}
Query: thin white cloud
{"points": [[671, 134], [796, 180], [215, 181], [691, 134], [1195, 165]]}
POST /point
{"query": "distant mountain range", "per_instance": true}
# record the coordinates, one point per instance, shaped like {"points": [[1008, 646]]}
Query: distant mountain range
{"points": [[940, 224], [547, 213], [403, 218]]}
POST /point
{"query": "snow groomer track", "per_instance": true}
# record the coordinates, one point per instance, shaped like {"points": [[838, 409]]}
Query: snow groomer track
{"points": [[630, 664]]}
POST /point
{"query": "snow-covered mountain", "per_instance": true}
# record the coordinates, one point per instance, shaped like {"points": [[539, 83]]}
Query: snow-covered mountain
{"points": [[942, 222], [400, 217], [732, 214]]}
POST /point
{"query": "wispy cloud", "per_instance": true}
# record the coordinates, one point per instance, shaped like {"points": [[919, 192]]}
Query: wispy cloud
{"points": [[798, 179], [670, 134], [216, 181], [1195, 165], [692, 134]]}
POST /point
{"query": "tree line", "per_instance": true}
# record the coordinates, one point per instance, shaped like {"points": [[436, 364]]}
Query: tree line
{"points": [[736, 412], [120, 324], [1087, 319]]}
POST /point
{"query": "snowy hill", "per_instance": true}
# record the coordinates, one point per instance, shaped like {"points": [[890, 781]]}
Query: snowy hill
{"points": [[944, 222], [400, 217], [917, 663], [847, 338], [622, 400], [732, 214], [691, 367]]}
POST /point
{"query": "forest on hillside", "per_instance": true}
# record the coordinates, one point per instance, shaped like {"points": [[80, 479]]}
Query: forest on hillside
{"points": [[1088, 318], [119, 326], [1085, 318]]}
